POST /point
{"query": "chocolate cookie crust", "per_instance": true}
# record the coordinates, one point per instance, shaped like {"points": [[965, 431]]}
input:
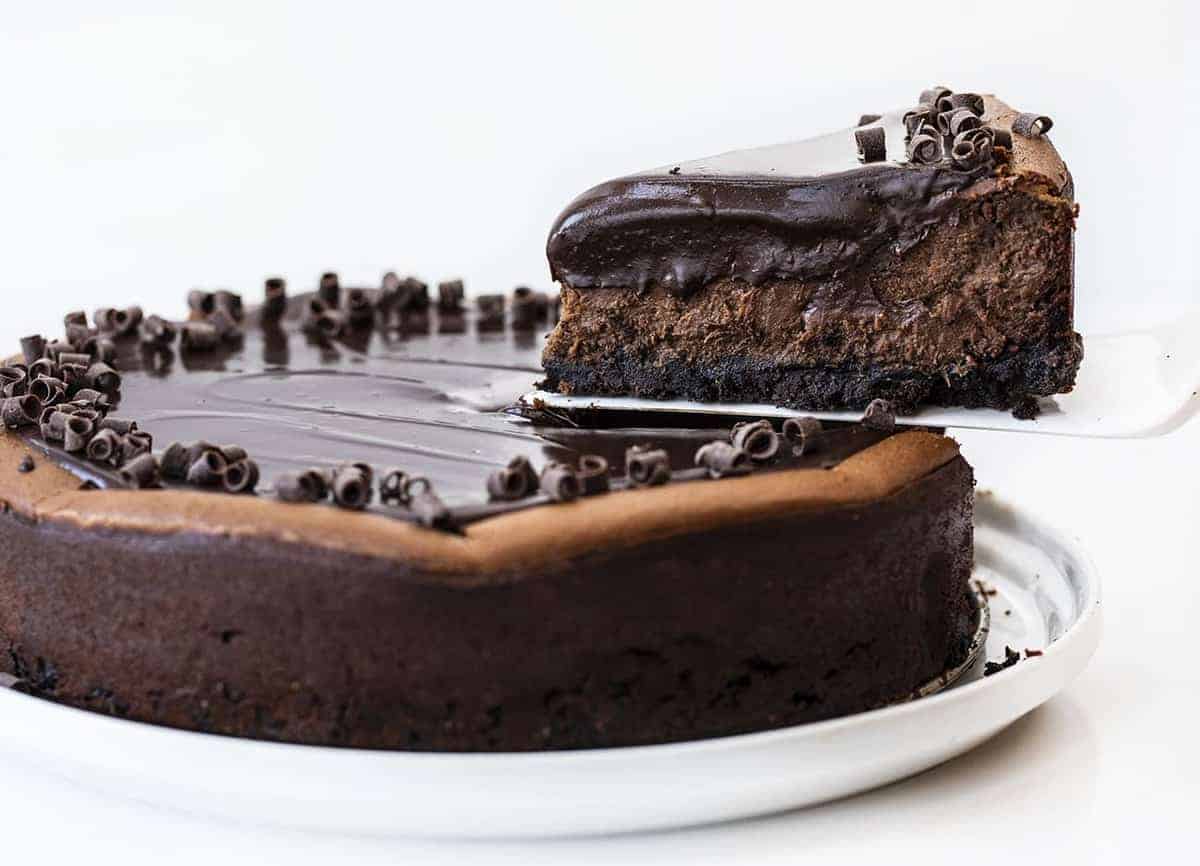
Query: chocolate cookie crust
{"points": [[830, 288]]}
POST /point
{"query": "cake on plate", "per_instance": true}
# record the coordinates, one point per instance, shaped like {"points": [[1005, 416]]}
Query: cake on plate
{"points": [[923, 256], [311, 520]]}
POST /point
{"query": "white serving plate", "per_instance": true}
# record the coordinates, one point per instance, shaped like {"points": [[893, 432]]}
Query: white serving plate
{"points": [[1133, 384], [1047, 597]]}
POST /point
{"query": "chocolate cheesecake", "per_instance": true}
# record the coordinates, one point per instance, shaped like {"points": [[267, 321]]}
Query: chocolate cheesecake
{"points": [[521, 582], [924, 256]]}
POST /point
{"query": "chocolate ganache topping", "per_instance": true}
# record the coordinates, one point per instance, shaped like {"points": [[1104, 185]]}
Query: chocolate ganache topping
{"points": [[798, 210]]}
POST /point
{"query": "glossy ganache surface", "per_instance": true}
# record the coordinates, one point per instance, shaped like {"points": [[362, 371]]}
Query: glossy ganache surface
{"points": [[798, 210]]}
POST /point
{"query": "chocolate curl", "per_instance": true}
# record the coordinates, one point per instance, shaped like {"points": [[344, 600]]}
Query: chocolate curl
{"points": [[429, 509], [970, 150], [491, 312], [879, 416], [450, 295], [233, 453], [207, 469], [757, 438], [872, 144], [141, 472], [646, 467], [803, 432], [962, 119], [524, 309], [33, 348], [77, 434], [593, 474], [230, 302], [864, 119], [393, 487], [90, 398], [329, 324], [515, 481], [329, 290], [175, 461], [199, 337], [359, 308], [101, 349], [78, 335], [103, 378], [134, 444], [157, 331], [92, 414], [13, 381], [55, 348], [560, 483], [48, 391], [74, 375], [105, 446], [414, 295], [201, 302], [943, 104], [300, 487], [22, 411], [225, 325], [241, 476], [934, 94], [1032, 125], [925, 149], [105, 320], [274, 299], [917, 118], [1001, 137], [972, 102], [126, 321], [351, 488], [53, 424], [318, 481], [44, 368], [77, 359], [722, 459], [75, 317]]}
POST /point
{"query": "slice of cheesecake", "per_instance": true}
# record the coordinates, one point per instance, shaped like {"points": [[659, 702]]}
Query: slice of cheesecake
{"points": [[923, 256]]}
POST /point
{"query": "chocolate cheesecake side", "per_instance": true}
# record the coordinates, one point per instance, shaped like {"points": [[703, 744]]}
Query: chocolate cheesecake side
{"points": [[797, 276]]}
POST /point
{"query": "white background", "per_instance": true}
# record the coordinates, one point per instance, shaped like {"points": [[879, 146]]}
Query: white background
{"points": [[148, 148]]}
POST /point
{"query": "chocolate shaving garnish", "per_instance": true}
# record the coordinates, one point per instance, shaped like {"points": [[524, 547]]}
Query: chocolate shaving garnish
{"points": [[75, 317], [1001, 137], [43, 368], [105, 446], [879, 416], [78, 335], [92, 414], [90, 398], [74, 375], [13, 381], [199, 337], [412, 296], [27, 465], [103, 377], [515, 481], [230, 302], [224, 323], [647, 467], [48, 391], [943, 104], [872, 143], [450, 296], [429, 509], [156, 330], [78, 433], [329, 290], [803, 433], [560, 482], [175, 461], [207, 469], [925, 149], [491, 312], [934, 94], [134, 444], [104, 319], [864, 119], [275, 298], [241, 476], [201, 302], [76, 358], [52, 430], [329, 324], [101, 349], [393, 487], [962, 119], [126, 321], [359, 309], [351, 488], [1011, 657], [233, 453], [1031, 125], [22, 411], [973, 102], [593, 474], [33, 348], [971, 149], [722, 459], [140, 472], [757, 438], [300, 487], [918, 117]]}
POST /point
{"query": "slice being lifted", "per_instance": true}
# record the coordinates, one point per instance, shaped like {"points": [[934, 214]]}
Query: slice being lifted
{"points": [[924, 256]]}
